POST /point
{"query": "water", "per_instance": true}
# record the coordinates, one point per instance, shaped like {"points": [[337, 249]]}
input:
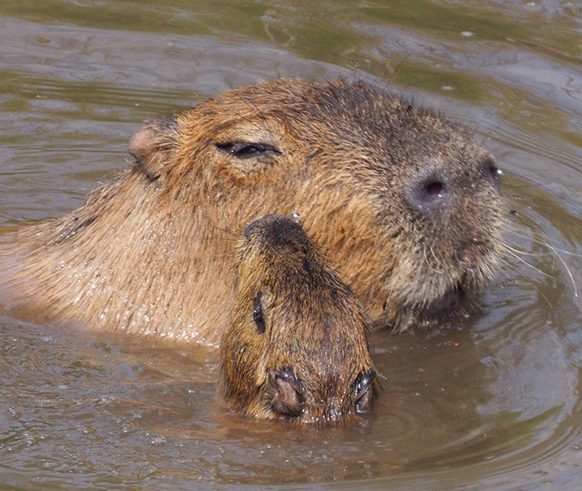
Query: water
{"points": [[494, 403]]}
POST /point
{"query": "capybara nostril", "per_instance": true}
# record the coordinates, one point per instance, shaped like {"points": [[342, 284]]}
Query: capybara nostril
{"points": [[434, 189], [428, 196]]}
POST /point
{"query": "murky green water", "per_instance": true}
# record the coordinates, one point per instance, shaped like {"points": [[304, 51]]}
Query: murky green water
{"points": [[492, 404]]}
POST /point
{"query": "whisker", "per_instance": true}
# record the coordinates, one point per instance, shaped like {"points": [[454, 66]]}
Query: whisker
{"points": [[226, 231], [505, 262], [428, 262], [523, 253], [529, 265], [217, 262], [210, 238], [530, 225], [555, 250], [540, 292], [547, 244], [567, 270]]}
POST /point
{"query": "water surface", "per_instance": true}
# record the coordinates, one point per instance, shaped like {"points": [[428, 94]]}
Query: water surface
{"points": [[493, 402]]}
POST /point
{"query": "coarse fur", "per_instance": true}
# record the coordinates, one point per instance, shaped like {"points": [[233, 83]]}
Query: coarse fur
{"points": [[296, 345], [148, 252]]}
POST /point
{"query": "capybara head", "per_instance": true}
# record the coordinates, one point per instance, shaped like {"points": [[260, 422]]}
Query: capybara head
{"points": [[406, 205], [296, 346]]}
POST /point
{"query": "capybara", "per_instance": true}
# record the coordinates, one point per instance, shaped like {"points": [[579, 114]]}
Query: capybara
{"points": [[296, 345], [406, 205]]}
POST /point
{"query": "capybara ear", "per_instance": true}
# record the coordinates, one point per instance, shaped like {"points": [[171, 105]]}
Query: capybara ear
{"points": [[153, 145]]}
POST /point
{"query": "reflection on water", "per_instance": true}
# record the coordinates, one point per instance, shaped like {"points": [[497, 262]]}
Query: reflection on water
{"points": [[493, 403]]}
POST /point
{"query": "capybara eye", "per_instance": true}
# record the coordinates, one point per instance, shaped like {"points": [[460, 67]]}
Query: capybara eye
{"points": [[244, 150], [248, 151], [258, 313]]}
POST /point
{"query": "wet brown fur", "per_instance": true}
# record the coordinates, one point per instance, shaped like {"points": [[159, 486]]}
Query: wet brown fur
{"points": [[313, 326], [148, 252]]}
